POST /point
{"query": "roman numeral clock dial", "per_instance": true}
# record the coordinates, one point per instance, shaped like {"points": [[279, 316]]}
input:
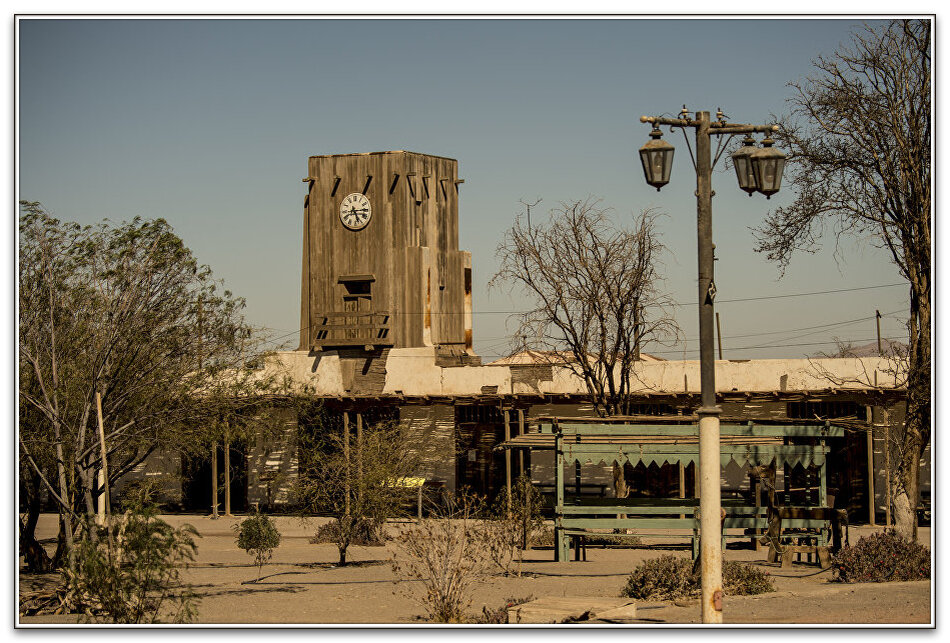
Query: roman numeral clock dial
{"points": [[355, 211]]}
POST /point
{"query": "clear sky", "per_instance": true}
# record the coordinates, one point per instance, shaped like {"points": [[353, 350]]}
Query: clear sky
{"points": [[209, 123]]}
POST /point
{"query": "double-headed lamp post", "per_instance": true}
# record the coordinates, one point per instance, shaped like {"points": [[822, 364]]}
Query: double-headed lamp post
{"points": [[758, 170]]}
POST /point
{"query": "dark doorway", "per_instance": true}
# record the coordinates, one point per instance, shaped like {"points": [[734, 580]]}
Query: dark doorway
{"points": [[479, 468], [196, 481]]}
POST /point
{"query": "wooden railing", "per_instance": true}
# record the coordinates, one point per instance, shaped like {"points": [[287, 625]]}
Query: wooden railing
{"points": [[351, 329]]}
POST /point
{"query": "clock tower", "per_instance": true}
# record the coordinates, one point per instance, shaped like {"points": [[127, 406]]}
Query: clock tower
{"points": [[381, 264]]}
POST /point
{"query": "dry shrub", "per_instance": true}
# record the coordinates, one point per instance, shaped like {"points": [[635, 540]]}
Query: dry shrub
{"points": [[499, 616], [447, 556], [881, 557], [669, 577]]}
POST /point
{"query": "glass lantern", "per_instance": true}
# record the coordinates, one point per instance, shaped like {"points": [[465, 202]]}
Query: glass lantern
{"points": [[657, 158], [742, 161], [767, 166]]}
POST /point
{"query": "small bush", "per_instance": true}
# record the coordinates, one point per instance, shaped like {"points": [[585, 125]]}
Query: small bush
{"points": [[881, 557], [663, 578], [742, 579], [499, 616], [259, 537], [669, 578]]}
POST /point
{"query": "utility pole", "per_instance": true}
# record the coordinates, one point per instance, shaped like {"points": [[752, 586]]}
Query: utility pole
{"points": [[757, 171], [877, 316], [719, 334]]}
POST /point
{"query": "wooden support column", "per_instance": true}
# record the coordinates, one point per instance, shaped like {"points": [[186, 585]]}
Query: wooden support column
{"points": [[227, 476], [521, 469], [561, 549], [871, 475], [359, 446], [214, 480], [887, 464], [346, 458], [681, 469], [507, 419]]}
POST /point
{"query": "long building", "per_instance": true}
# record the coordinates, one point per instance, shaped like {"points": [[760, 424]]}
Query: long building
{"points": [[386, 333]]}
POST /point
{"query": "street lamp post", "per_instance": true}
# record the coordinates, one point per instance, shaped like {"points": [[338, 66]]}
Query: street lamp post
{"points": [[657, 157]]}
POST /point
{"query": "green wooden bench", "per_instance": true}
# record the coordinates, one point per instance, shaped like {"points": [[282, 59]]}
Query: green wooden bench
{"points": [[674, 518]]}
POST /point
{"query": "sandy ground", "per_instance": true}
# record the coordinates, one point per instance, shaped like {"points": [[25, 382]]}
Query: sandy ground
{"points": [[303, 585]]}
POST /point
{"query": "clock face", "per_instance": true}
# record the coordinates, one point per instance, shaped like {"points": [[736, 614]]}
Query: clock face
{"points": [[355, 211]]}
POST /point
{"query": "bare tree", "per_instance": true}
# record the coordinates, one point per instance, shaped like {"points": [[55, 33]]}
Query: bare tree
{"points": [[859, 140], [594, 295]]}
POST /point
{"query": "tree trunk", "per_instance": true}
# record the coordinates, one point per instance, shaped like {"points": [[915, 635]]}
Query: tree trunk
{"points": [[905, 503], [917, 427], [36, 558]]}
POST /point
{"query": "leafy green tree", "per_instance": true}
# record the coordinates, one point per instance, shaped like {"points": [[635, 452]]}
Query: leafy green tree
{"points": [[355, 479], [123, 312]]}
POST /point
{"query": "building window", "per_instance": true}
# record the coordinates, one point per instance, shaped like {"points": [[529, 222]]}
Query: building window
{"points": [[647, 408], [821, 410], [478, 414]]}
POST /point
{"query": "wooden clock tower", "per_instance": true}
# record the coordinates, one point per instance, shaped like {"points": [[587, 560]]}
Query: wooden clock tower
{"points": [[381, 264]]}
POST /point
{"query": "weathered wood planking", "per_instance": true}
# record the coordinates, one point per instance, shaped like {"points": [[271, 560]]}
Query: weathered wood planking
{"points": [[409, 246]]}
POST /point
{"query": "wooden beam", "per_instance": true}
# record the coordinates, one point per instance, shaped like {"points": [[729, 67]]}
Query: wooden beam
{"points": [[507, 418]]}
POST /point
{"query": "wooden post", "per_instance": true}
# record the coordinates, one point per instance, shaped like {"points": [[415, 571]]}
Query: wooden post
{"points": [[507, 418], [682, 479], [419, 502], [104, 509], [227, 476], [887, 463], [359, 446], [346, 458], [214, 480], [561, 553], [719, 334], [871, 507], [521, 470]]}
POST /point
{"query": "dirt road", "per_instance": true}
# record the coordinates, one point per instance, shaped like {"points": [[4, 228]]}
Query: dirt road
{"points": [[302, 585]]}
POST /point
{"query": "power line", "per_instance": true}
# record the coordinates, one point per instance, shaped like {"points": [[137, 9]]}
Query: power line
{"points": [[521, 312]]}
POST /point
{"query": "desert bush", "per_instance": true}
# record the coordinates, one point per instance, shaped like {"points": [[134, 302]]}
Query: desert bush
{"points": [[741, 579], [881, 557], [258, 536], [612, 539], [445, 553], [499, 616], [512, 524], [130, 573], [355, 480], [669, 577], [366, 533], [545, 538]]}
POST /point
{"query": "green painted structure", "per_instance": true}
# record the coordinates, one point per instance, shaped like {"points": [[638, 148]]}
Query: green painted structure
{"points": [[674, 440]]}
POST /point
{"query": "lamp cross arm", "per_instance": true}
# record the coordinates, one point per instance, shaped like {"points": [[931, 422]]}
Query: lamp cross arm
{"points": [[675, 122], [729, 128]]}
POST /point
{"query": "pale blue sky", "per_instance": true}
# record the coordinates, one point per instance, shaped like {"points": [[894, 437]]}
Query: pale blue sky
{"points": [[208, 123]]}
